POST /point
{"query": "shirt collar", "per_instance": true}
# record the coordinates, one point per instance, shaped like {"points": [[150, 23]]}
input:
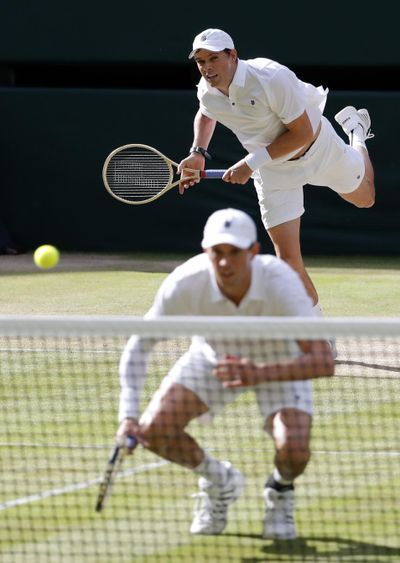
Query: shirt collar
{"points": [[238, 81], [239, 77], [255, 292]]}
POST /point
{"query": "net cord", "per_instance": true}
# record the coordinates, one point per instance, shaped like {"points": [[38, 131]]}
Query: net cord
{"points": [[210, 326]]}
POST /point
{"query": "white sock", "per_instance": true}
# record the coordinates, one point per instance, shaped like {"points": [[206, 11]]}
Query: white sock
{"points": [[213, 470], [279, 479], [317, 310], [358, 137]]}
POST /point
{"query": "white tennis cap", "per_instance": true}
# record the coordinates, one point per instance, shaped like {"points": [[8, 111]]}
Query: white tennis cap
{"points": [[212, 40], [229, 226]]}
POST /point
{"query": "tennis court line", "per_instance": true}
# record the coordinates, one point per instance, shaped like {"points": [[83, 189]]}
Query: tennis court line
{"points": [[77, 486]]}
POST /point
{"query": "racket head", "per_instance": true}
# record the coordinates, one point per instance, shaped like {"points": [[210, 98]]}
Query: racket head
{"points": [[137, 174]]}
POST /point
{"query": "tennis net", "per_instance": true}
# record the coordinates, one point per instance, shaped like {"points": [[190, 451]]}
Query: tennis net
{"points": [[58, 417]]}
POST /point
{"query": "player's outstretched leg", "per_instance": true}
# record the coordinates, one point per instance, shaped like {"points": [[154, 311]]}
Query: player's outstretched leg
{"points": [[211, 511], [279, 514], [357, 125]]}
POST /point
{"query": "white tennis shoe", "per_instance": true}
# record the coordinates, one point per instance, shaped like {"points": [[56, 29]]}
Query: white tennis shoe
{"points": [[279, 516], [349, 118], [211, 511]]}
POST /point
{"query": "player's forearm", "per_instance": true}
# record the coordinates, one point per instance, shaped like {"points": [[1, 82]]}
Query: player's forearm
{"points": [[308, 366], [289, 142], [240, 372], [298, 136], [203, 128]]}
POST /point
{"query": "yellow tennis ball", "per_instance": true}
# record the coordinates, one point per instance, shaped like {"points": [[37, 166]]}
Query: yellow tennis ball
{"points": [[46, 257]]}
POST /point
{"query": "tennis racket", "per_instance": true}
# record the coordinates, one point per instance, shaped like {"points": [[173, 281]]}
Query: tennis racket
{"points": [[137, 174], [113, 466]]}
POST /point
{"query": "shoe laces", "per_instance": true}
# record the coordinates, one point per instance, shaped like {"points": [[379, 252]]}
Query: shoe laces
{"points": [[206, 506], [364, 124]]}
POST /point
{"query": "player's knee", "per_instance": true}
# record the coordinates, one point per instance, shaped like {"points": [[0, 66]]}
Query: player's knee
{"points": [[295, 455], [368, 202], [364, 203], [364, 196], [152, 434]]}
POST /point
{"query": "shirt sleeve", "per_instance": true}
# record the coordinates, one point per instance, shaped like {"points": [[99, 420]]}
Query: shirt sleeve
{"points": [[135, 357], [286, 95], [132, 374], [287, 292]]}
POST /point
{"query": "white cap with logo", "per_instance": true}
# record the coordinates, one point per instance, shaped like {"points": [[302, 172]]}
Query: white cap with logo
{"points": [[212, 40], [229, 226]]}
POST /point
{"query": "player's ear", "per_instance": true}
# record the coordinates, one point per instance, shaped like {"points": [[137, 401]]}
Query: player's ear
{"points": [[255, 248]]}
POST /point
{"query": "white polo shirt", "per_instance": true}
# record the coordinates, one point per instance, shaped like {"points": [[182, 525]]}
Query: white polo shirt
{"points": [[191, 289], [263, 96]]}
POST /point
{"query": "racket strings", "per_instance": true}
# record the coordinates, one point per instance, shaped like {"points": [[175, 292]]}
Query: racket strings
{"points": [[138, 174]]}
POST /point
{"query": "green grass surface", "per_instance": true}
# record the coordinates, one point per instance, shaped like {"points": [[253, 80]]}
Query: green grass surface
{"points": [[58, 415], [125, 285]]}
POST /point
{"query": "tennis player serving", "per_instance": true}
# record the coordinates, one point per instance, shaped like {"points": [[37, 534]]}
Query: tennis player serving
{"points": [[229, 278], [288, 142]]}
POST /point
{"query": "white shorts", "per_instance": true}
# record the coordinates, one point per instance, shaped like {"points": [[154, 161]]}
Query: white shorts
{"points": [[329, 162], [194, 371]]}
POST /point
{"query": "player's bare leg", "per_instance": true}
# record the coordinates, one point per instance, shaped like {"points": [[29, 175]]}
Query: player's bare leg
{"points": [[357, 125], [286, 241], [163, 428], [290, 430], [162, 425]]}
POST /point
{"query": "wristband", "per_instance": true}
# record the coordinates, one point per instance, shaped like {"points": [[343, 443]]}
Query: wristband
{"points": [[256, 160], [201, 151]]}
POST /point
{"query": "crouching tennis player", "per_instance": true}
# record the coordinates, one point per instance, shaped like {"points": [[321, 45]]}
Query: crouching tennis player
{"points": [[229, 278]]}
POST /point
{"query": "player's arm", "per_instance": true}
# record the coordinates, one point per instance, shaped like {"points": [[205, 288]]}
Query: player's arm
{"points": [[298, 134], [132, 374], [129, 427], [316, 361], [203, 131]]}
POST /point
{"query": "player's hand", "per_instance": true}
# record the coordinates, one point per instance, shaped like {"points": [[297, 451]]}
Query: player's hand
{"points": [[235, 371], [239, 173], [195, 161], [129, 428]]}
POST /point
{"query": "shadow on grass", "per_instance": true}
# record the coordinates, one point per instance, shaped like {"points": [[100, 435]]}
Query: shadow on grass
{"points": [[321, 549]]}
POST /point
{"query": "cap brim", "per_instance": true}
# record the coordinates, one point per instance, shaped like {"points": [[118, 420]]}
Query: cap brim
{"points": [[226, 239], [206, 48]]}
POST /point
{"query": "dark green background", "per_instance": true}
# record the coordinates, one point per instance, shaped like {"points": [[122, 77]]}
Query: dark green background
{"points": [[79, 79]]}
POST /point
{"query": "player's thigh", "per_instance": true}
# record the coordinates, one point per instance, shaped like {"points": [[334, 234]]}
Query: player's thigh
{"points": [[286, 239], [194, 372], [171, 408], [281, 397], [279, 205], [340, 166]]}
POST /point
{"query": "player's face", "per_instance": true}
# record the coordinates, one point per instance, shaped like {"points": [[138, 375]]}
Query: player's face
{"points": [[232, 268], [217, 68]]}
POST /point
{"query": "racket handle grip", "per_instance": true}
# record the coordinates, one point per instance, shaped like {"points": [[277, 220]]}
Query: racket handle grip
{"points": [[131, 442], [212, 174]]}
